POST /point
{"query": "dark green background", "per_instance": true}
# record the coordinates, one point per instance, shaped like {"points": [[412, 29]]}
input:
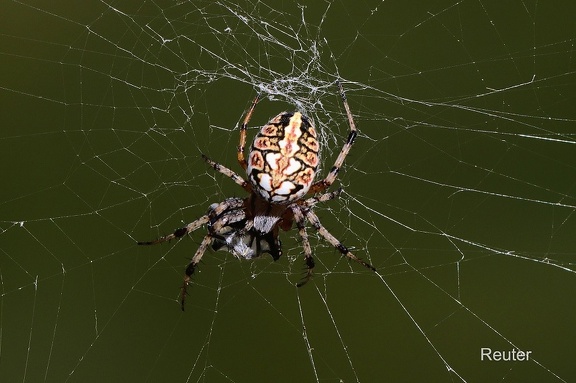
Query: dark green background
{"points": [[460, 189]]}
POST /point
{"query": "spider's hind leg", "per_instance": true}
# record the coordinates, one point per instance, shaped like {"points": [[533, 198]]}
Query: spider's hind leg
{"points": [[323, 184], [243, 127], [228, 173]]}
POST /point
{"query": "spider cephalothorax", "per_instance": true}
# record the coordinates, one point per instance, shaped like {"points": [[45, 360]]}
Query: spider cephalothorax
{"points": [[281, 167]]}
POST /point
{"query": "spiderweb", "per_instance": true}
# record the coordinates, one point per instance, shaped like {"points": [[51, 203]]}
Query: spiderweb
{"points": [[459, 190]]}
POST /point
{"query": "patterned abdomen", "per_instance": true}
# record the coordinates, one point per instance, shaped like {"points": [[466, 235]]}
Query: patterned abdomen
{"points": [[283, 158]]}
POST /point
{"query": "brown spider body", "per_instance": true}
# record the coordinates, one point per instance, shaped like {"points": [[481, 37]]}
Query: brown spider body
{"points": [[283, 158], [280, 170]]}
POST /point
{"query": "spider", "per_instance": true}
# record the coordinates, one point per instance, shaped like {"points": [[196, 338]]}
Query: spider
{"points": [[280, 171]]}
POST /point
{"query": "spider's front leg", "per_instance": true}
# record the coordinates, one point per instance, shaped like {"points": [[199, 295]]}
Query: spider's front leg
{"points": [[192, 266], [179, 232], [301, 224], [219, 217], [315, 221], [215, 211]]}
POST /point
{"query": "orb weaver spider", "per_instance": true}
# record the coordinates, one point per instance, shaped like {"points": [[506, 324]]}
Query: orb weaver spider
{"points": [[280, 170]]}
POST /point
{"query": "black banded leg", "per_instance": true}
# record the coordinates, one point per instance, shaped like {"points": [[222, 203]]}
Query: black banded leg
{"points": [[229, 173], [230, 203], [313, 219], [192, 266], [331, 177], [180, 232], [242, 143], [322, 198], [207, 241], [301, 224]]}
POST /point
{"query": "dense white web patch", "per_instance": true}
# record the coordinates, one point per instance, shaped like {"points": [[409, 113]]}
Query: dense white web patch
{"points": [[459, 189]]}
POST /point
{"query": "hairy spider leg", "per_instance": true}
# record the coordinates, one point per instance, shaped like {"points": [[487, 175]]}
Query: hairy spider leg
{"points": [[243, 127], [322, 185], [309, 259], [300, 223], [216, 228], [230, 203], [315, 221], [214, 233], [192, 265], [180, 232], [322, 198], [229, 173]]}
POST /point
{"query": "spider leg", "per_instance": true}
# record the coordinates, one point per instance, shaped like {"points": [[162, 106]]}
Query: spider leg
{"points": [[229, 173], [192, 266], [242, 144], [315, 221], [331, 177], [219, 217], [228, 204], [322, 198], [180, 232], [301, 224], [215, 211]]}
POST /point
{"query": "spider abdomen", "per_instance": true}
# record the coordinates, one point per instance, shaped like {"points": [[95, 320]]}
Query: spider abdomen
{"points": [[283, 158]]}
